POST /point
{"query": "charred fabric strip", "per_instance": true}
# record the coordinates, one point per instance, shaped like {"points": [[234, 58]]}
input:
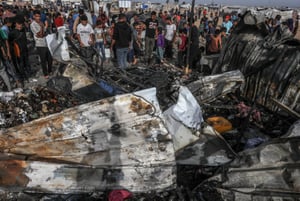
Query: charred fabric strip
{"points": [[270, 63]]}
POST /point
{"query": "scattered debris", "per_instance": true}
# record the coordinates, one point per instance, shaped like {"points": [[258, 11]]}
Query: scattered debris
{"points": [[94, 129], [19, 107]]}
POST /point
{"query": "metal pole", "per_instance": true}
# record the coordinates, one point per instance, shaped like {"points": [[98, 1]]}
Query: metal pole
{"points": [[190, 36]]}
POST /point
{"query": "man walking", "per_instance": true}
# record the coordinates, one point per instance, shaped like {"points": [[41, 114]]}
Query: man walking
{"points": [[122, 38]]}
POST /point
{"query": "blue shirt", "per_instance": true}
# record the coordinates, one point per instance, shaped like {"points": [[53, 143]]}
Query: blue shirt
{"points": [[5, 29], [227, 25]]}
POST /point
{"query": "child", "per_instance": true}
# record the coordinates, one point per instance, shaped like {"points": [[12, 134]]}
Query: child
{"points": [[100, 38], [182, 48], [160, 45], [215, 44]]}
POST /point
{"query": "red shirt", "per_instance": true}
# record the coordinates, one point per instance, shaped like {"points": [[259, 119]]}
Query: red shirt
{"points": [[59, 21]]}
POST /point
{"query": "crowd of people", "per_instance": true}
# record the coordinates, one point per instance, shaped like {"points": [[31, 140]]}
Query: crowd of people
{"points": [[161, 36]]}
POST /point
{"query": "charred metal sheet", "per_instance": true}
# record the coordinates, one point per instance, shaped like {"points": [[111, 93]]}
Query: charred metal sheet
{"points": [[44, 177], [194, 144], [269, 62], [78, 75], [268, 171], [125, 133], [83, 85], [208, 88]]}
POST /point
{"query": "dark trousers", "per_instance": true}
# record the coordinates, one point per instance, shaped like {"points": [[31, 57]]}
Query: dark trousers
{"points": [[10, 69], [22, 67], [194, 56], [46, 59], [181, 58], [168, 49]]}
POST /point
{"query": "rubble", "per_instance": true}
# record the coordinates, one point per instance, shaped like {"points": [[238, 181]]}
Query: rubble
{"points": [[18, 107], [96, 128], [270, 171]]}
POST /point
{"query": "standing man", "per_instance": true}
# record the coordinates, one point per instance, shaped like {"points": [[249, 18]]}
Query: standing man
{"points": [[85, 36], [38, 29], [122, 38], [85, 32], [151, 33], [194, 45], [76, 18], [18, 40], [170, 36]]}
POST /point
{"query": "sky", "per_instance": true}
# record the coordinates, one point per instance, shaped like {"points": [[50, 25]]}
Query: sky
{"points": [[271, 3]]}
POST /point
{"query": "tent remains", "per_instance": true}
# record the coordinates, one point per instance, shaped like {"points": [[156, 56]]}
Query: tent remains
{"points": [[270, 63], [119, 142]]}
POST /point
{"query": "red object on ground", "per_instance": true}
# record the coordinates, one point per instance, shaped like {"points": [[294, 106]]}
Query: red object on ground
{"points": [[119, 195]]}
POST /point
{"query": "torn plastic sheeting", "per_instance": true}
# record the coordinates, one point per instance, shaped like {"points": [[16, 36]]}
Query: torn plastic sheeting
{"points": [[270, 170], [191, 118], [121, 139], [208, 88], [194, 146], [58, 45]]}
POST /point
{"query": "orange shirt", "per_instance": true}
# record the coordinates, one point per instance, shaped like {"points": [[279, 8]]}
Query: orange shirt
{"points": [[215, 44]]}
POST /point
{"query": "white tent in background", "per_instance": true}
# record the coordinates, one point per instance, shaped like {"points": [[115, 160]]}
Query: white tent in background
{"points": [[125, 4], [37, 2]]}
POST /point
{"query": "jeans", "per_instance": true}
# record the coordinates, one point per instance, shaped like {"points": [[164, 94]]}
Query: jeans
{"points": [[160, 54], [122, 57], [130, 56], [100, 47]]}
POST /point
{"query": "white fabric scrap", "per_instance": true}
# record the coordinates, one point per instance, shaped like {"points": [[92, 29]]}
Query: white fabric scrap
{"points": [[187, 110]]}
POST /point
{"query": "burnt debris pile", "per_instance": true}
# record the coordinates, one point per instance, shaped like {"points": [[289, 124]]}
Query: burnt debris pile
{"points": [[20, 106], [269, 62], [95, 129]]}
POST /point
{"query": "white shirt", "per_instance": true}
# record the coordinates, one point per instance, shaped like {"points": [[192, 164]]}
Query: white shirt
{"points": [[170, 29], [35, 28], [99, 32], [84, 33]]}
